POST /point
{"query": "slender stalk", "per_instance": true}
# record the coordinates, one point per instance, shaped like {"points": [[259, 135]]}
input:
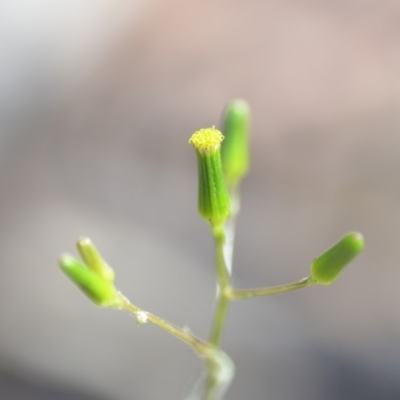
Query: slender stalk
{"points": [[213, 385], [220, 315], [197, 344], [224, 237], [230, 228], [223, 288], [241, 294], [223, 276]]}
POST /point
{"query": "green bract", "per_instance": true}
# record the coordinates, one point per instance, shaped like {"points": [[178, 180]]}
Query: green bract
{"points": [[93, 259], [99, 290], [214, 204], [326, 268], [235, 149]]}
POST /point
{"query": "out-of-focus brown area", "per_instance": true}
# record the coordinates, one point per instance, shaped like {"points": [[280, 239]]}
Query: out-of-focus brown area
{"points": [[97, 102]]}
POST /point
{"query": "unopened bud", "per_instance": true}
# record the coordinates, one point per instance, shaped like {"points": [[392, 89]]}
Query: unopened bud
{"points": [[326, 268], [235, 149], [93, 259], [99, 290]]}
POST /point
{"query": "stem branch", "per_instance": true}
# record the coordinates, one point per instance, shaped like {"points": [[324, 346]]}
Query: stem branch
{"points": [[197, 344], [241, 294]]}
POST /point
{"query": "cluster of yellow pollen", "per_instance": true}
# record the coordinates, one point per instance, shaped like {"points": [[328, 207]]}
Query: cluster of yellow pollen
{"points": [[206, 139]]}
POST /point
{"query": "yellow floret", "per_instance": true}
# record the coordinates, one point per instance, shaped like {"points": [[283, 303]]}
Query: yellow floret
{"points": [[206, 139]]}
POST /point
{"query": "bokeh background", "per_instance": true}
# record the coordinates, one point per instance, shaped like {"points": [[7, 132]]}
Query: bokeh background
{"points": [[97, 101]]}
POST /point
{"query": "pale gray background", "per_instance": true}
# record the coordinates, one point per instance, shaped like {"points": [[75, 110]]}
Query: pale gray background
{"points": [[97, 102]]}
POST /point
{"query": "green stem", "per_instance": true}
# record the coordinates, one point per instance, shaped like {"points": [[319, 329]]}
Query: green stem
{"points": [[224, 237], [240, 294], [223, 276], [230, 228], [213, 385], [223, 288], [220, 315]]}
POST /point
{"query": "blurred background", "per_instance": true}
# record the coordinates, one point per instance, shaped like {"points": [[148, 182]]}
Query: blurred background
{"points": [[98, 99]]}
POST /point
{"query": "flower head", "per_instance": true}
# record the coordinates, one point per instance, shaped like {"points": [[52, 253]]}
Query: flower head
{"points": [[213, 200], [206, 139]]}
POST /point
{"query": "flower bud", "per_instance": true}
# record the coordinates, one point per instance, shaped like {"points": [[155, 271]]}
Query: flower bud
{"points": [[235, 149], [326, 268], [213, 197], [99, 290], [93, 259]]}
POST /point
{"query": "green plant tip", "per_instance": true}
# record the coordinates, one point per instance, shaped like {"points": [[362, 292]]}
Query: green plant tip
{"points": [[213, 197], [206, 139], [93, 259], [96, 288], [235, 149], [326, 268]]}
